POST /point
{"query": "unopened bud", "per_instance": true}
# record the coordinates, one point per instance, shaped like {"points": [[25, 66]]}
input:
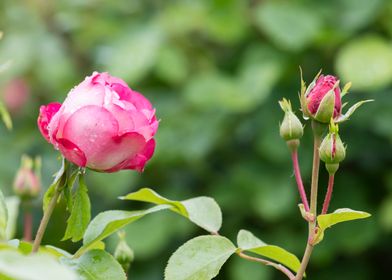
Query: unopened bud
{"points": [[291, 128], [123, 253], [27, 183], [332, 150]]}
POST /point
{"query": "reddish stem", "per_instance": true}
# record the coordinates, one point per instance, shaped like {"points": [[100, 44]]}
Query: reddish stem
{"points": [[328, 194], [28, 226], [298, 178]]}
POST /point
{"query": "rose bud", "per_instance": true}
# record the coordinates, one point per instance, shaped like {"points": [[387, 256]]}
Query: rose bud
{"points": [[123, 253], [332, 150], [322, 99], [291, 129], [27, 183], [102, 124]]}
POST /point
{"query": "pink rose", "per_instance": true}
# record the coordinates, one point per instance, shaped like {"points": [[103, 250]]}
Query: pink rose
{"points": [[102, 125], [317, 93]]}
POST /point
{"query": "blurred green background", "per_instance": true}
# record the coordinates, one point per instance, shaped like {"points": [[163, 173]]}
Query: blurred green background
{"points": [[214, 70]]}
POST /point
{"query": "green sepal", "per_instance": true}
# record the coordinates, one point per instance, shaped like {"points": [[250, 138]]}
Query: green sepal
{"points": [[326, 108]]}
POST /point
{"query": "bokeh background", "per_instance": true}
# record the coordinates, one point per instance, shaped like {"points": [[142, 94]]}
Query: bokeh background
{"points": [[214, 70]]}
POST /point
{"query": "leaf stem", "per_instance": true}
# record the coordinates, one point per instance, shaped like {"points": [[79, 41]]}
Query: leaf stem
{"points": [[45, 219], [280, 267], [298, 178], [318, 129], [328, 195]]}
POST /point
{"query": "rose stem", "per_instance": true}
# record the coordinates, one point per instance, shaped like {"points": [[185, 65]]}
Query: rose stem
{"points": [[27, 223], [317, 132], [45, 219], [328, 194], [298, 178]]}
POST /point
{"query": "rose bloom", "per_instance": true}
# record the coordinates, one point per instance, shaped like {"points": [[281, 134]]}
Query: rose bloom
{"points": [[317, 93], [102, 125]]}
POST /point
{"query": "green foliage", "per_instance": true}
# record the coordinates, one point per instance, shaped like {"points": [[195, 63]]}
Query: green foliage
{"points": [[39, 266], [200, 258], [108, 222], [338, 216], [3, 217], [13, 204], [5, 116], [95, 265], [80, 213], [248, 242], [203, 211]]}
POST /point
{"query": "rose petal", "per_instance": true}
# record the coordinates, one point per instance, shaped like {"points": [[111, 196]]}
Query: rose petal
{"points": [[92, 129], [46, 114], [72, 152]]}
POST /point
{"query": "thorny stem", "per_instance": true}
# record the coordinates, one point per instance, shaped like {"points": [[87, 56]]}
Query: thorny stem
{"points": [[328, 194], [45, 219], [317, 132], [298, 178], [280, 267]]}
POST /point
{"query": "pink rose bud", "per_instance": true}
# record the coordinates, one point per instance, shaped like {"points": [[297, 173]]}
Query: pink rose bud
{"points": [[27, 183], [102, 125], [322, 99], [15, 95]]}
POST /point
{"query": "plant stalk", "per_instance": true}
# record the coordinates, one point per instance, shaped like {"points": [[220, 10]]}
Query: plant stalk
{"points": [[318, 129], [45, 219], [280, 267], [328, 194], [298, 178], [27, 225]]}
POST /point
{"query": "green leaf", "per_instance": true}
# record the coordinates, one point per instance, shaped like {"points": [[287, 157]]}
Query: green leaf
{"points": [[69, 187], [95, 265], [248, 242], [52, 189], [38, 266], [5, 116], [80, 213], [3, 217], [108, 222], [12, 203], [203, 211], [148, 195], [200, 258], [338, 216]]}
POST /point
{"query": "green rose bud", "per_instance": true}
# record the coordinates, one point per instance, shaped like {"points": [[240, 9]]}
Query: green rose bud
{"points": [[123, 253], [332, 150], [291, 128]]}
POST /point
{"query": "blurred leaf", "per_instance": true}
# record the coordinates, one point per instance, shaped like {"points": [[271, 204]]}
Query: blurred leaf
{"points": [[248, 242], [96, 265], [52, 189], [35, 267], [203, 211], [338, 216], [366, 62], [386, 214], [134, 54], [172, 64], [260, 70], [215, 91], [3, 217], [5, 116], [80, 214], [108, 222], [12, 203], [290, 25], [200, 258]]}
